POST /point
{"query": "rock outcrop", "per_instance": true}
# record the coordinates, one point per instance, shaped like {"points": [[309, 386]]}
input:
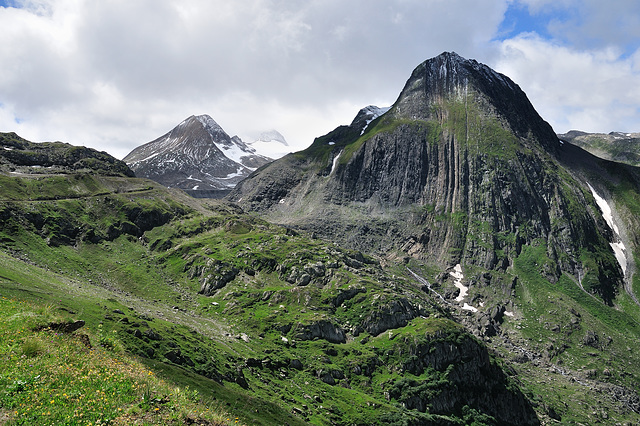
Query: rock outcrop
{"points": [[460, 367]]}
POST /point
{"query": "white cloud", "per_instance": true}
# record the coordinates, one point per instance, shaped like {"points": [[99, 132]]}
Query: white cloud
{"points": [[593, 90], [588, 24], [116, 74]]}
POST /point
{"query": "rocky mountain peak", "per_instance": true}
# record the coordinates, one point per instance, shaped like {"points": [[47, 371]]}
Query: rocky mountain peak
{"points": [[449, 77], [460, 158], [366, 115], [197, 156], [272, 136]]}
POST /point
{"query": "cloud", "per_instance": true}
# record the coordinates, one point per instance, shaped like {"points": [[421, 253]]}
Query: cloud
{"points": [[590, 90], [113, 75], [589, 24]]}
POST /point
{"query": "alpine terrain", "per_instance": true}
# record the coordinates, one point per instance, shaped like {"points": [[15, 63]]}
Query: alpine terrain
{"points": [[445, 261], [198, 157], [616, 146]]}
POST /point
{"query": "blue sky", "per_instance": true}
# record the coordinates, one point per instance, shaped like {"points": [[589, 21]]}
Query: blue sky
{"points": [[517, 19], [113, 75]]}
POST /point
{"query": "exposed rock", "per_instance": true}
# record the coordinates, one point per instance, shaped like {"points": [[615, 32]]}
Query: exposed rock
{"points": [[296, 363], [591, 339], [465, 367], [64, 327], [394, 314], [152, 334], [176, 357], [214, 275], [322, 329], [347, 294]]}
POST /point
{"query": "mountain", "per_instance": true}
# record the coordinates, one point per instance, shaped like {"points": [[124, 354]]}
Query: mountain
{"points": [[18, 155], [447, 262], [271, 143], [460, 170], [197, 156], [616, 146], [464, 182]]}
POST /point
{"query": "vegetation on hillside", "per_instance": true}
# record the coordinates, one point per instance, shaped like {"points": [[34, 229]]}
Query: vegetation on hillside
{"points": [[273, 326], [54, 376]]}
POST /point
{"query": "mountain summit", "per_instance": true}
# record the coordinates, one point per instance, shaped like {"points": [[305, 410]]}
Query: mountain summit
{"points": [[450, 77], [197, 156], [460, 170]]}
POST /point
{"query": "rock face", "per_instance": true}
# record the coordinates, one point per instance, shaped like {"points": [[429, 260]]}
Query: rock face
{"points": [[460, 169], [470, 376], [196, 156]]}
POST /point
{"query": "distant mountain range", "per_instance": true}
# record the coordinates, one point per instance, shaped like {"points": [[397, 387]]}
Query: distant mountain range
{"points": [[199, 157], [616, 146]]}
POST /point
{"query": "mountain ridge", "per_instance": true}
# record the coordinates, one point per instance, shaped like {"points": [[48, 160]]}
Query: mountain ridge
{"points": [[617, 146], [18, 155]]}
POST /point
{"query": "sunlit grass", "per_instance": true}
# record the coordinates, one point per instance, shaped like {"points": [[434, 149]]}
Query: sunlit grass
{"points": [[50, 378]]}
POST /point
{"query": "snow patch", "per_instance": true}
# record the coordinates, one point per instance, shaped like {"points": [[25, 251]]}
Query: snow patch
{"points": [[238, 173], [468, 307], [373, 113], [458, 277], [233, 152], [335, 162], [619, 250], [509, 313], [618, 247]]}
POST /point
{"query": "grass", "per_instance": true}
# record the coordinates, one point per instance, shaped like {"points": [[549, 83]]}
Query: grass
{"points": [[52, 378], [152, 283]]}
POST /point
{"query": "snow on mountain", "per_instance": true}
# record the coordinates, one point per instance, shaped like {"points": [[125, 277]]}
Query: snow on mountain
{"points": [[271, 143], [371, 113], [366, 115], [197, 156]]}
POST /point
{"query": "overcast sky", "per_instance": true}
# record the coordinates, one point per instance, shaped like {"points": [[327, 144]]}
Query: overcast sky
{"points": [[115, 74]]}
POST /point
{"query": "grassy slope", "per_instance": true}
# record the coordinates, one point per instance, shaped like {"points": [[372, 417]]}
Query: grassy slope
{"points": [[127, 287], [52, 377], [151, 284]]}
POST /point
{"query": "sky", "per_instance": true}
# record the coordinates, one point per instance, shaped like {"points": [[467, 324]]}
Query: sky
{"points": [[115, 74]]}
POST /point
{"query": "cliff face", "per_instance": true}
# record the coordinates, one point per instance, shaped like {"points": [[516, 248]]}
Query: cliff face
{"points": [[461, 169]]}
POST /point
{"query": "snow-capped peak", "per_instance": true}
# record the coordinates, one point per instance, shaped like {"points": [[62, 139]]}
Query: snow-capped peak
{"points": [[272, 136], [270, 143], [208, 122]]}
